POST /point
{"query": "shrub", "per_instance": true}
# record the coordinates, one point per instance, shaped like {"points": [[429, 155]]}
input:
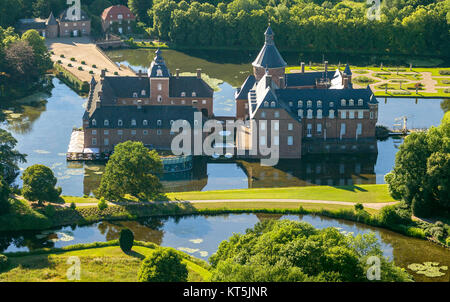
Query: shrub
{"points": [[59, 61], [389, 215], [83, 62], [91, 72], [70, 65], [94, 66], [102, 204], [163, 265], [62, 56], [49, 211], [126, 240], [80, 68], [447, 242], [116, 73], [447, 90], [444, 72], [359, 207], [363, 79], [73, 206], [445, 81], [4, 262], [73, 59]]}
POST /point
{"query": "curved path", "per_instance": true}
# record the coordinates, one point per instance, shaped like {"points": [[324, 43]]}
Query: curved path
{"points": [[375, 206]]}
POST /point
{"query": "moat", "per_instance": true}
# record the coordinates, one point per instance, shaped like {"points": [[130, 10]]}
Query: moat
{"points": [[43, 132]]}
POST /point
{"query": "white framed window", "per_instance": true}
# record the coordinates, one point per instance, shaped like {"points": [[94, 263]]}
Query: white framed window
{"points": [[309, 114], [133, 122], [331, 104], [194, 94], [371, 115], [106, 123], [319, 104], [120, 123], [351, 114], [319, 128], [300, 112], [300, 104], [94, 141], [133, 132], [276, 114], [106, 132], [135, 94], [263, 114], [106, 142], [351, 102], [66, 25], [291, 104], [359, 129], [343, 102], [159, 73], [159, 98], [183, 102], [262, 140], [159, 86], [290, 126], [343, 129], [272, 104], [204, 102], [276, 125], [319, 113], [309, 130], [144, 122], [120, 132], [266, 104], [360, 102], [246, 106], [360, 114], [183, 94], [343, 114], [290, 140], [94, 122], [331, 113], [262, 125], [309, 104], [94, 132], [143, 92], [159, 122]]}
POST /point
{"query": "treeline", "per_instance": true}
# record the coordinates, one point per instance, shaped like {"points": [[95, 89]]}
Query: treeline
{"points": [[405, 27], [23, 62]]}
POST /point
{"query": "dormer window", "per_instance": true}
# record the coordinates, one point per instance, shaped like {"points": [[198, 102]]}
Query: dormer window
{"points": [[266, 104], [183, 93], [351, 102], [343, 102], [360, 102], [171, 122], [144, 122], [94, 122], [133, 122], [159, 73], [143, 92], [331, 104], [106, 123], [272, 104], [291, 104], [319, 104], [309, 104], [159, 122], [120, 123], [300, 103], [194, 94], [135, 95], [331, 114]]}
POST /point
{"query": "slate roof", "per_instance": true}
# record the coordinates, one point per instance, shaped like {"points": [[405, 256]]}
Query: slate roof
{"points": [[347, 70], [124, 87], [189, 84], [51, 20], [150, 113], [158, 63], [269, 56], [64, 18], [111, 13], [242, 92], [26, 24], [306, 78]]}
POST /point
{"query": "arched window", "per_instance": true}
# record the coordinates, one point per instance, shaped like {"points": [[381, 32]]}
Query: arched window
{"points": [[194, 94], [266, 104], [159, 86], [159, 98], [183, 93], [360, 102], [133, 122], [331, 104], [319, 113], [319, 104], [331, 113], [144, 122], [309, 104], [106, 123], [272, 104], [351, 102], [94, 122], [310, 114], [343, 102], [120, 123], [135, 95], [159, 122], [300, 112], [143, 92], [300, 103]]}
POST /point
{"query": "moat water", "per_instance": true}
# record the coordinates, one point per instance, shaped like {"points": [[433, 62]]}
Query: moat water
{"points": [[200, 236]]}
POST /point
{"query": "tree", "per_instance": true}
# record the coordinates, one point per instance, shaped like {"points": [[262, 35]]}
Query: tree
{"points": [[9, 158], [139, 8], [39, 184], [295, 251], [126, 240], [4, 197], [41, 54], [131, 170], [163, 265]]}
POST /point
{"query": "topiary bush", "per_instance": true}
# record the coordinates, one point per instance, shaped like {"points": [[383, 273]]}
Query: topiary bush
{"points": [[391, 215], [126, 240], [73, 206], [102, 204], [4, 262], [163, 265], [359, 207]]}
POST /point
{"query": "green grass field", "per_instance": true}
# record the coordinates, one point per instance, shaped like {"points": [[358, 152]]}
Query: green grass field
{"points": [[357, 193], [103, 264]]}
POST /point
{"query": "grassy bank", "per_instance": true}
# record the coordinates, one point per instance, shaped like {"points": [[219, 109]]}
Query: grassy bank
{"points": [[356, 193], [70, 79], [100, 261]]}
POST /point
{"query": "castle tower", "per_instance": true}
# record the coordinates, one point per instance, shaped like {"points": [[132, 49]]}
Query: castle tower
{"points": [[159, 74], [269, 58], [52, 26]]}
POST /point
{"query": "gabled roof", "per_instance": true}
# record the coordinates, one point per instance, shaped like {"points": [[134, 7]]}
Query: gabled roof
{"points": [[242, 92], [51, 20], [26, 24], [189, 84], [124, 87], [269, 56], [110, 13], [66, 18], [347, 70]]}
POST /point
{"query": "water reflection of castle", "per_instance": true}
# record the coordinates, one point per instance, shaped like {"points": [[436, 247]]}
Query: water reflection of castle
{"points": [[331, 170]]}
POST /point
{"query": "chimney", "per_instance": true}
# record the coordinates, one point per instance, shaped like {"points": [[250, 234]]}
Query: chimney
{"points": [[139, 104], [103, 73], [97, 104], [199, 73], [345, 82], [282, 86], [268, 80], [326, 67], [177, 73], [303, 66], [100, 94]]}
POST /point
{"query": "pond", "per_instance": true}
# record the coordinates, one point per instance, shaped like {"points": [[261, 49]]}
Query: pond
{"points": [[43, 133], [200, 236]]}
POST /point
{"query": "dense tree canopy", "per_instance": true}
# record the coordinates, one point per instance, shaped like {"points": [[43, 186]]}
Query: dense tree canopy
{"points": [[39, 184], [9, 158], [131, 170], [421, 175], [295, 251], [163, 265]]}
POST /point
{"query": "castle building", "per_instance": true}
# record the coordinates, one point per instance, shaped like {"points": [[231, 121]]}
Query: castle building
{"points": [[118, 19], [143, 107], [313, 112], [65, 26]]}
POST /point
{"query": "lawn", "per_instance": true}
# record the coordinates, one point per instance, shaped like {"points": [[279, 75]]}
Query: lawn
{"points": [[103, 264], [357, 193]]}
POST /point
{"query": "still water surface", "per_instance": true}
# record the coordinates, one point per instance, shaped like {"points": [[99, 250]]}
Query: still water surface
{"points": [[200, 236]]}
